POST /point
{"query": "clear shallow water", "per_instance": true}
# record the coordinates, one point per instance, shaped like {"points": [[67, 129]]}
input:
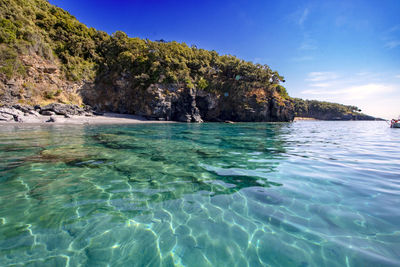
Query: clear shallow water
{"points": [[290, 194]]}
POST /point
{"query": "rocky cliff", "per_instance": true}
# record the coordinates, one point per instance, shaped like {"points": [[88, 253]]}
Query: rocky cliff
{"points": [[179, 103], [47, 56], [43, 83]]}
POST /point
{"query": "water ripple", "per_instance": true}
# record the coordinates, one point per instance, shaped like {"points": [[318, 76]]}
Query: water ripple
{"points": [[260, 194]]}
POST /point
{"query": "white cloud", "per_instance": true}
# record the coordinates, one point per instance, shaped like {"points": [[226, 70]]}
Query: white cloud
{"points": [[376, 93], [376, 99], [322, 85], [392, 44], [303, 17], [321, 76], [354, 92], [363, 73]]}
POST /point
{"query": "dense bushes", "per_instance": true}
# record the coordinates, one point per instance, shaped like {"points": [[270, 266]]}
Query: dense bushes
{"points": [[310, 108], [10, 65]]}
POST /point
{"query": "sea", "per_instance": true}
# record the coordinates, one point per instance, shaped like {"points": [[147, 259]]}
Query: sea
{"points": [[307, 193]]}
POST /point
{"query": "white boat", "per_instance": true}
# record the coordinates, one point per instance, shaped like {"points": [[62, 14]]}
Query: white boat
{"points": [[395, 123]]}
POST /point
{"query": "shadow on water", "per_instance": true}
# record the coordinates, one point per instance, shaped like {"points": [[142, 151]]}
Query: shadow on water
{"points": [[136, 167], [214, 158]]}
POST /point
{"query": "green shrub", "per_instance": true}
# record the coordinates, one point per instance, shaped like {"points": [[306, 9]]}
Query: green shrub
{"points": [[8, 31], [10, 64], [202, 83], [282, 91], [58, 92], [49, 94]]}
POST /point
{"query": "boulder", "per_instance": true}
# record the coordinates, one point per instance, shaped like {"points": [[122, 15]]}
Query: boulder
{"points": [[6, 117], [52, 119], [47, 113], [24, 109], [10, 114], [62, 109], [97, 113], [34, 112]]}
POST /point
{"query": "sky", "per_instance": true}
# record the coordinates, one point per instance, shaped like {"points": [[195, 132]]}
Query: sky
{"points": [[346, 52]]}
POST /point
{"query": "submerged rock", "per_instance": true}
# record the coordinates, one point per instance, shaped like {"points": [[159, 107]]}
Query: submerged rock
{"points": [[116, 141], [69, 154]]}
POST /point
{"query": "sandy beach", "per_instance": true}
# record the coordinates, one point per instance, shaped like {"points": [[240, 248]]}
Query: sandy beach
{"points": [[107, 118], [304, 119]]}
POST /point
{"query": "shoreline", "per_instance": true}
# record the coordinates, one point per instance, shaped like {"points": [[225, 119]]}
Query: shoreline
{"points": [[107, 118]]}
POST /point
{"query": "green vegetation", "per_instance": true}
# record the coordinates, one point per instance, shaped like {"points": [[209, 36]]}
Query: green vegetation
{"points": [[10, 65], [35, 26], [318, 109]]}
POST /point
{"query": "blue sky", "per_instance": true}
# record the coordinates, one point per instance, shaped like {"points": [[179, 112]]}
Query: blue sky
{"points": [[339, 51]]}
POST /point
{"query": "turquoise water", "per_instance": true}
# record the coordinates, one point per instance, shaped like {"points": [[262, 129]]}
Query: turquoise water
{"points": [[251, 194]]}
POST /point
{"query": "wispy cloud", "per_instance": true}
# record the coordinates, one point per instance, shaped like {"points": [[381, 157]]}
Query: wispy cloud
{"points": [[363, 73], [303, 16], [303, 58], [390, 37], [298, 17], [351, 23], [321, 76], [321, 85], [392, 44], [353, 92], [307, 46], [308, 43], [393, 29], [397, 76]]}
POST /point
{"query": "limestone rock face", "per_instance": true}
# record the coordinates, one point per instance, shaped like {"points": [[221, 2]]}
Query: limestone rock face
{"points": [[179, 103]]}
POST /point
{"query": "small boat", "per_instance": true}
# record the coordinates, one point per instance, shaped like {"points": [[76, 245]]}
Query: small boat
{"points": [[395, 123]]}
